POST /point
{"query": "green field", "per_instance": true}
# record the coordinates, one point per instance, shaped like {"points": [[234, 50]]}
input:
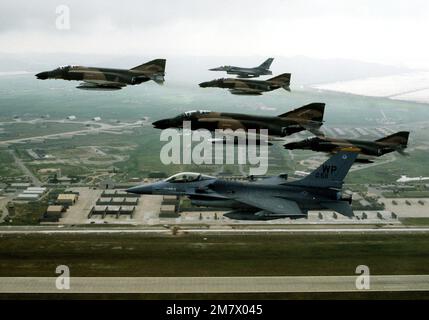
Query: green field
{"points": [[193, 255], [414, 165], [95, 255], [31, 99], [8, 167], [415, 221]]}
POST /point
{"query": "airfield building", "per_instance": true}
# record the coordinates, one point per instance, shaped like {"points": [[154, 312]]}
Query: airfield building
{"points": [[28, 197], [67, 198], [168, 211], [20, 185], [53, 213]]}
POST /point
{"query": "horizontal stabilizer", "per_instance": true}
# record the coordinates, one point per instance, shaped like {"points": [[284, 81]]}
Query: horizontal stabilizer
{"points": [[158, 78], [341, 207]]}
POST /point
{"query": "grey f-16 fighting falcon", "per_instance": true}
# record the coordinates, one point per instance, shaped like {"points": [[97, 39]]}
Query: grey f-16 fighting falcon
{"points": [[250, 86], [263, 69], [108, 79], [308, 117], [270, 198], [367, 150]]}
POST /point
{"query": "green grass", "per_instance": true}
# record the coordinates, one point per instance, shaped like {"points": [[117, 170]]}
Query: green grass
{"points": [[415, 221], [192, 255], [384, 295], [414, 165], [66, 169], [8, 167]]}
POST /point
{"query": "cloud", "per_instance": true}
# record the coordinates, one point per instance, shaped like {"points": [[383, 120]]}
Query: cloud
{"points": [[382, 31]]}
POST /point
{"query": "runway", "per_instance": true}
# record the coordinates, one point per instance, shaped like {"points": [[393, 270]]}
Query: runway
{"points": [[213, 230], [273, 284]]}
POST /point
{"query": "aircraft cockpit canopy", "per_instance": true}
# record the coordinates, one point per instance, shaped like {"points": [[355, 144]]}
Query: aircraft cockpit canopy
{"points": [[188, 114], [187, 177], [66, 67]]}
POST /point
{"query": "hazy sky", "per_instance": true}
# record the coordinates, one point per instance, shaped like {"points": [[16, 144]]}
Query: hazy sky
{"points": [[387, 31]]}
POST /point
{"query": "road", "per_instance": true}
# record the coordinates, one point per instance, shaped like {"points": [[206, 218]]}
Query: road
{"points": [[102, 127], [36, 182], [259, 284]]}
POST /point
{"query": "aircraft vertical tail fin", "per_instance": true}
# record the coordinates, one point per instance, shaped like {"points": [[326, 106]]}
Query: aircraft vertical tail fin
{"points": [[313, 111], [331, 173], [152, 67], [400, 138], [282, 80], [266, 64]]}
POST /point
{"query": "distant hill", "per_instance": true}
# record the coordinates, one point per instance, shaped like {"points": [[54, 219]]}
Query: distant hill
{"points": [[188, 69]]}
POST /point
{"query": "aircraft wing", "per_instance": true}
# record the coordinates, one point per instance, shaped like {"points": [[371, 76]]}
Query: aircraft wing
{"points": [[245, 91], [255, 137], [340, 148], [246, 75], [101, 85], [269, 138], [268, 203], [275, 181]]}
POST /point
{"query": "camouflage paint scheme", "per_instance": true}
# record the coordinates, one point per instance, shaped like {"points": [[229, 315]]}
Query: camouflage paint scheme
{"points": [[367, 149], [108, 79], [308, 117], [250, 87]]}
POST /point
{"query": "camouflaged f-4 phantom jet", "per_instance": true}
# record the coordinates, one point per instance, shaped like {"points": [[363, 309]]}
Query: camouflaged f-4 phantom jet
{"points": [[262, 70], [108, 79], [267, 199], [367, 150], [308, 117], [250, 86]]}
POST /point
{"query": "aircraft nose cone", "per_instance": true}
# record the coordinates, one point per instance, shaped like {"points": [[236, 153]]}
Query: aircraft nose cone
{"points": [[42, 75], [143, 189], [216, 69], [161, 124], [204, 84]]}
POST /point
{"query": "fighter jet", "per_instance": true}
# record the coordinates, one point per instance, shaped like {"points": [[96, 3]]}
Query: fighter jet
{"points": [[267, 199], [249, 86], [368, 150], [108, 79], [263, 69], [308, 117]]}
